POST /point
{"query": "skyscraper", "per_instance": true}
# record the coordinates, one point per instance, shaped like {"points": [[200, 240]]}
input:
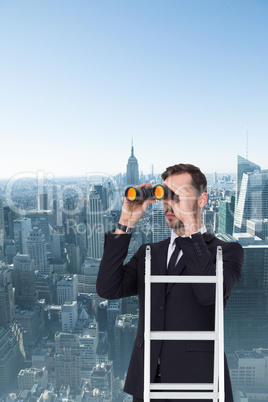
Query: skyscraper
{"points": [[159, 227], [43, 220], [37, 249], [95, 224], [67, 360], [243, 166], [7, 297], [21, 229], [208, 220], [88, 346], [67, 289], [132, 169], [246, 317], [226, 215], [9, 358], [2, 229], [69, 315], [42, 202], [125, 334], [24, 281], [252, 200]]}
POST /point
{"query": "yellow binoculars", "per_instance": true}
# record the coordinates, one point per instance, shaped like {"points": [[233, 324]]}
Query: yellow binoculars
{"points": [[158, 192]]}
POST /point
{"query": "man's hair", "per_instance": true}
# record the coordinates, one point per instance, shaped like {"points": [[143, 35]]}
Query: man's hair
{"points": [[199, 180]]}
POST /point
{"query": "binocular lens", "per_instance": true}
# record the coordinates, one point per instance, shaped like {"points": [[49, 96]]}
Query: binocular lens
{"points": [[131, 193], [159, 192]]}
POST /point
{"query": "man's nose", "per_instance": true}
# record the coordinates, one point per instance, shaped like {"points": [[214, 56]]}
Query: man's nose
{"points": [[167, 203]]}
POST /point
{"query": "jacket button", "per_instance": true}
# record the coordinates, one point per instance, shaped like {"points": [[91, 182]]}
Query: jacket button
{"points": [[162, 307]]}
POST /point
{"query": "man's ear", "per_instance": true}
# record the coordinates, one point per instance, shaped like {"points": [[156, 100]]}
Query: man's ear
{"points": [[202, 200]]}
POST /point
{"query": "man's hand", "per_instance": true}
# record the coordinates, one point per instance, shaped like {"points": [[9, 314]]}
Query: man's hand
{"points": [[133, 211]]}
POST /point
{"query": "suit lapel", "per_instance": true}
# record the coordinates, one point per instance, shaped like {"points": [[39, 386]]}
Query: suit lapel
{"points": [[160, 267], [162, 251]]}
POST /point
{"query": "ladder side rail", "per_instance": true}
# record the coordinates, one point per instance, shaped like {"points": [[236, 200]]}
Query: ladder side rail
{"points": [[147, 324], [216, 342], [219, 267]]}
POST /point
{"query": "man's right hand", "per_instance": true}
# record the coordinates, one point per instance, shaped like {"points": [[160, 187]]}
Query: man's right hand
{"points": [[133, 211]]}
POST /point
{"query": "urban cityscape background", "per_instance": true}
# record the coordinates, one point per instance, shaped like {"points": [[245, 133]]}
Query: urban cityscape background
{"points": [[78, 80], [58, 339]]}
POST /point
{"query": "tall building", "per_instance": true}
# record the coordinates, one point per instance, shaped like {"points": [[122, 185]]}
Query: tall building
{"points": [[258, 227], [67, 360], [102, 315], [88, 347], [9, 217], [246, 318], [102, 382], [208, 220], [67, 288], [37, 249], [57, 241], [243, 166], [2, 229], [88, 277], [43, 220], [24, 281], [74, 254], [250, 370], [29, 377], [113, 310], [42, 202], [7, 297], [22, 228], [125, 334], [10, 358], [10, 250], [252, 200], [226, 215], [95, 224], [132, 169], [69, 315], [32, 321], [159, 227]]}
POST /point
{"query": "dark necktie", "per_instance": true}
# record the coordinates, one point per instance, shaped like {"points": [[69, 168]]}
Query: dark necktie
{"points": [[173, 258]]}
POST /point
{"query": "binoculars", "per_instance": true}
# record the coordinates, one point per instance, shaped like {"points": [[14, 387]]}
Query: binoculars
{"points": [[158, 192]]}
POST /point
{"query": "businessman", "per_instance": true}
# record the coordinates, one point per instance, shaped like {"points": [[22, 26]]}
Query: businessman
{"points": [[190, 250]]}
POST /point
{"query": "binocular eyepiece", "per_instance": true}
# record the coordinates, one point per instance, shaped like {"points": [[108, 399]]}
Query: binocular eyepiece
{"points": [[158, 192]]}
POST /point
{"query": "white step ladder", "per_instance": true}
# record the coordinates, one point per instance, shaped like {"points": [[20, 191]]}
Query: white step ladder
{"points": [[213, 390]]}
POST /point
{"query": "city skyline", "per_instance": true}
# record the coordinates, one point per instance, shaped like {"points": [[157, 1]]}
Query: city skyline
{"points": [[182, 78], [81, 343]]}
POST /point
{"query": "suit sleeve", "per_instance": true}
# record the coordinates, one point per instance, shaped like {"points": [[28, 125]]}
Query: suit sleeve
{"points": [[116, 280], [200, 262]]}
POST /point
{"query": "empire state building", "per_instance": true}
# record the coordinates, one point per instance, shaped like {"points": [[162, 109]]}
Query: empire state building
{"points": [[132, 169]]}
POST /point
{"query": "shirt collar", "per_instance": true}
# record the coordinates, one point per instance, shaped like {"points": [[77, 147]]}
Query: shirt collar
{"points": [[174, 235]]}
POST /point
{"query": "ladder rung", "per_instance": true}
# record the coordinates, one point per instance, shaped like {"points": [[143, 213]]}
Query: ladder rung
{"points": [[182, 279], [181, 386], [184, 335], [184, 395]]}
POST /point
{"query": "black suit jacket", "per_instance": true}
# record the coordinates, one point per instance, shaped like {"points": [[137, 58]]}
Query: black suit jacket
{"points": [[174, 307]]}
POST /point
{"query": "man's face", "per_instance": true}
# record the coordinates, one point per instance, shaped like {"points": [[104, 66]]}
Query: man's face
{"points": [[173, 209]]}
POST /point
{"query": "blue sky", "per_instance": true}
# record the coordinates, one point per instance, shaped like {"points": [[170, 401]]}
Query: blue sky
{"points": [[79, 79]]}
